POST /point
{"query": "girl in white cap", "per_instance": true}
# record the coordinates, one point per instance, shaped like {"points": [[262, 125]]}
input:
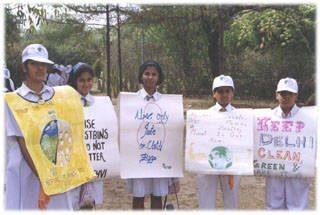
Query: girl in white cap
{"points": [[81, 79], [287, 193], [223, 89], [23, 189]]}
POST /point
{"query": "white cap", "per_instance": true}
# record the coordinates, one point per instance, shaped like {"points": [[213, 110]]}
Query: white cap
{"points": [[221, 81], [288, 84], [36, 52]]}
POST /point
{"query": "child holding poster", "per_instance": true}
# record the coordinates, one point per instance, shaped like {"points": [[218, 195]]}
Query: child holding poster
{"points": [[150, 75], [223, 90], [81, 79], [281, 192], [23, 187]]}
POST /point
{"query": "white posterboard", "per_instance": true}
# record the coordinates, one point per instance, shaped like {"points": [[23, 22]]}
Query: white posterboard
{"points": [[101, 138], [219, 142], [285, 147], [151, 136]]}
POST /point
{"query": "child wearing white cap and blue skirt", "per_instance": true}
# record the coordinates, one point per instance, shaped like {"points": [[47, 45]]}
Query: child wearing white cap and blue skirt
{"points": [[282, 192], [23, 188], [223, 91]]}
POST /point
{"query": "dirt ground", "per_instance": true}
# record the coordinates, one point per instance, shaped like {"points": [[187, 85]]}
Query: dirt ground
{"points": [[252, 189], [251, 195]]}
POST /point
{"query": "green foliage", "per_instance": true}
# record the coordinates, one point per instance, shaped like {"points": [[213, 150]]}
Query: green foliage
{"points": [[12, 49], [282, 27], [261, 44], [265, 46]]}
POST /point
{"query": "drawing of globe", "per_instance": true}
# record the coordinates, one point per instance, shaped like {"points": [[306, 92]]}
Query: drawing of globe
{"points": [[56, 142], [220, 157]]}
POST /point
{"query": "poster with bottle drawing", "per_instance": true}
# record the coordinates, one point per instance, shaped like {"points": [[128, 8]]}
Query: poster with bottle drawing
{"points": [[285, 147], [219, 142], [151, 136]]}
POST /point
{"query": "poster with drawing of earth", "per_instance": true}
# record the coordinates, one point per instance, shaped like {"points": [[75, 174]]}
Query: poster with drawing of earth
{"points": [[56, 142], [220, 157]]}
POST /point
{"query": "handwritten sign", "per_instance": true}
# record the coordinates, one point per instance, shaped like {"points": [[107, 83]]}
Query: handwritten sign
{"points": [[219, 142], [101, 138], [151, 136], [285, 147]]}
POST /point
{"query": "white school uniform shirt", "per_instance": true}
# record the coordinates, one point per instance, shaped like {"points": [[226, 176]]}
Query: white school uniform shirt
{"points": [[139, 187], [97, 186], [89, 98], [208, 184], [287, 193], [217, 107], [22, 186]]}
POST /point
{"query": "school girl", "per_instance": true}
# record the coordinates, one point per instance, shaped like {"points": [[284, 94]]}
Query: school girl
{"points": [[287, 193], [81, 79], [223, 90], [23, 188], [150, 75]]}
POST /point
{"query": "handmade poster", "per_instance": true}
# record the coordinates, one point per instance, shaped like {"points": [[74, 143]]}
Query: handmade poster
{"points": [[219, 142], [101, 137], [54, 135], [151, 136], [285, 147]]}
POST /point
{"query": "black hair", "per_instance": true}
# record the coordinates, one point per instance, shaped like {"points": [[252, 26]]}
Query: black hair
{"points": [[76, 72], [154, 64], [25, 64]]}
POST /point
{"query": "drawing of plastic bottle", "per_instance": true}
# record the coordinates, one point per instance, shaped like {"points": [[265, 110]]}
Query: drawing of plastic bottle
{"points": [[152, 131]]}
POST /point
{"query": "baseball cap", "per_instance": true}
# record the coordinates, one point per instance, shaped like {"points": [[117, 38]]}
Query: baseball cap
{"points": [[288, 84], [221, 81], [36, 52]]}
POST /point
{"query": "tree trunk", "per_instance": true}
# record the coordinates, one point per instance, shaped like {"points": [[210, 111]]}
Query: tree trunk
{"points": [[119, 48], [108, 51], [221, 39], [212, 32]]}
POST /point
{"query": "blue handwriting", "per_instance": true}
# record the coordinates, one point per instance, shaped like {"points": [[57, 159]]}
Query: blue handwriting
{"points": [[152, 131], [141, 116], [148, 158], [152, 145], [163, 117]]}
